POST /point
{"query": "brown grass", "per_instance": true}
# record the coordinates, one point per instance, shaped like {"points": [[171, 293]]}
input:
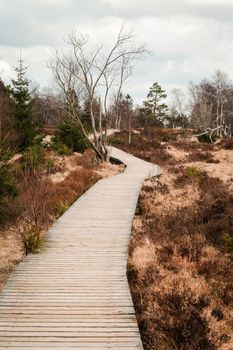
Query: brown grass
{"points": [[183, 296], [150, 150], [42, 201], [200, 156], [226, 144], [180, 265], [27, 217]]}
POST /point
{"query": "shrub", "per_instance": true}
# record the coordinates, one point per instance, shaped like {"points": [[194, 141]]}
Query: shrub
{"points": [[228, 243], [7, 185], [70, 135], [227, 144], [114, 140], [168, 138], [88, 159], [190, 174], [33, 157], [35, 198], [206, 138], [61, 148], [61, 208], [31, 238], [199, 156], [9, 211], [193, 172], [50, 165]]}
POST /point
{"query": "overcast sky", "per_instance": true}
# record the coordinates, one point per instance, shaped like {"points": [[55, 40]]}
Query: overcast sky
{"points": [[190, 38]]}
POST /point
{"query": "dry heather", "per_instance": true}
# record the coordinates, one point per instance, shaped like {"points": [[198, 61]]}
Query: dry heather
{"points": [[180, 259], [43, 197]]}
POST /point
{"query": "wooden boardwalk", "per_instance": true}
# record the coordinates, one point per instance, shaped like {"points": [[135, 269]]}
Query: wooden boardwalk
{"points": [[75, 294]]}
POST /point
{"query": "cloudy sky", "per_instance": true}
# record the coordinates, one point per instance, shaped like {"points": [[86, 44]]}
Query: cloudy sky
{"points": [[190, 39]]}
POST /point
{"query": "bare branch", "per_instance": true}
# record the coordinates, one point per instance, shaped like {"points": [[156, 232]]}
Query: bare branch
{"points": [[94, 72]]}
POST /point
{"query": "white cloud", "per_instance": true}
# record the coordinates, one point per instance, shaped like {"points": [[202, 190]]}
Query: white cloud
{"points": [[190, 38], [6, 71], [169, 67]]}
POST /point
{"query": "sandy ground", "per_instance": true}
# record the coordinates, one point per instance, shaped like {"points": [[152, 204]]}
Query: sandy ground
{"points": [[222, 170], [64, 165], [70, 163], [10, 255], [177, 154]]}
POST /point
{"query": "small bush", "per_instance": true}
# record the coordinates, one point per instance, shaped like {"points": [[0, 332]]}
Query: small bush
{"points": [[9, 211], [122, 138], [31, 238], [193, 148], [114, 140], [88, 159], [193, 172], [189, 175], [228, 243], [206, 138], [70, 135], [33, 157], [199, 156], [50, 165], [168, 138], [227, 144], [61, 148], [35, 199], [8, 188], [61, 208]]}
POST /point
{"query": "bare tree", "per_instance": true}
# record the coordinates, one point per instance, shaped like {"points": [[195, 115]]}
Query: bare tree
{"points": [[47, 108], [222, 88], [125, 72], [178, 109], [122, 112], [178, 101], [91, 73], [201, 107], [211, 106]]}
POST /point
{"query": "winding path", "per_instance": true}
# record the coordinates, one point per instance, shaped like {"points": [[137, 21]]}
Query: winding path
{"points": [[75, 294]]}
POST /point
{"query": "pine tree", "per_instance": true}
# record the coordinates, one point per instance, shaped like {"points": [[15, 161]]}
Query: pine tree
{"points": [[6, 123], [154, 104], [23, 116]]}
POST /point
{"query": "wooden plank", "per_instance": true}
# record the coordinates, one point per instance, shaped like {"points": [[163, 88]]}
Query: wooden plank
{"points": [[75, 294]]}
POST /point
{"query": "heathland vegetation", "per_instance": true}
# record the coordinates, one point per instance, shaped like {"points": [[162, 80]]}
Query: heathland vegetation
{"points": [[180, 258], [53, 147]]}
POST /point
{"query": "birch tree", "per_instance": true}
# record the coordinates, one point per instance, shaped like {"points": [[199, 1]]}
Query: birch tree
{"points": [[211, 105], [94, 73]]}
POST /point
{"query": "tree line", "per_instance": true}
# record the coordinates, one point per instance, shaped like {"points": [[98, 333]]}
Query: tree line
{"points": [[89, 93]]}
